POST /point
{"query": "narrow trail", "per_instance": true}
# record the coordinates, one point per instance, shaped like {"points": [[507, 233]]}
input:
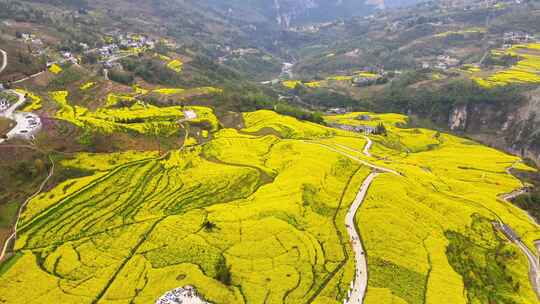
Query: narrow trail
{"points": [[13, 236], [366, 163], [534, 261], [4, 60], [367, 147]]}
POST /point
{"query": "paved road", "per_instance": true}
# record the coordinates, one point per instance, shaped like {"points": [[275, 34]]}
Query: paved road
{"points": [[534, 262], [4, 60], [534, 266], [365, 163], [367, 147], [358, 287], [13, 236], [28, 77]]}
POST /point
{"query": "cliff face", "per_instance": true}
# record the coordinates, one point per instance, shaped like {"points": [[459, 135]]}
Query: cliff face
{"points": [[289, 10], [294, 12], [458, 118], [515, 129]]}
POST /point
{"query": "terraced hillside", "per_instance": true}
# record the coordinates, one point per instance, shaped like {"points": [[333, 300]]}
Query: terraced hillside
{"points": [[256, 215]]}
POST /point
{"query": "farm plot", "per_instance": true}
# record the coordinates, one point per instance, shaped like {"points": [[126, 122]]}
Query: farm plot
{"points": [[429, 233], [134, 116], [243, 218], [257, 216], [525, 71]]}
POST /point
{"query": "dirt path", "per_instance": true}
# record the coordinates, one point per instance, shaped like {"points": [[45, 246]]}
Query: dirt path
{"points": [[4, 60], [367, 147], [374, 167], [13, 236]]}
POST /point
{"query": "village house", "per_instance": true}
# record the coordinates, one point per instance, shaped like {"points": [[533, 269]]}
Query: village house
{"points": [[444, 62], [68, 57], [365, 80], [4, 104], [367, 130], [336, 111], [243, 52], [108, 50], [517, 37]]}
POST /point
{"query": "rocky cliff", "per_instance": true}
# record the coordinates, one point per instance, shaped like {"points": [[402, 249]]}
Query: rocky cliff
{"points": [[514, 128]]}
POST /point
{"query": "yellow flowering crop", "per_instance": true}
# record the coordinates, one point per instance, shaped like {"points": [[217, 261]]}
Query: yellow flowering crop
{"points": [[55, 69]]}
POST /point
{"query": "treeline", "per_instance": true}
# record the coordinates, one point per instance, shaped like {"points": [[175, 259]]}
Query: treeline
{"points": [[436, 102], [299, 113]]}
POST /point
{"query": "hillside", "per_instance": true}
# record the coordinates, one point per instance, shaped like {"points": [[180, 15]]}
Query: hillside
{"points": [[282, 151], [259, 218]]}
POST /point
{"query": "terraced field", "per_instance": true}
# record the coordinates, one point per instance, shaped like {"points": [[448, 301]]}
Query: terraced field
{"points": [[525, 71], [257, 216], [136, 117], [429, 233]]}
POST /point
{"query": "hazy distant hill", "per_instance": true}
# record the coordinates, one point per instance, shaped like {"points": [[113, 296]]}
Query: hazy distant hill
{"points": [[294, 12]]}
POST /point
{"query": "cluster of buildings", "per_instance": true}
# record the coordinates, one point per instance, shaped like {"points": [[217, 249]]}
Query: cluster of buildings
{"points": [[228, 51], [517, 37], [124, 42], [30, 38], [367, 130], [135, 41], [361, 81], [314, 28], [469, 5], [69, 57], [336, 111], [4, 104], [443, 62], [183, 295]]}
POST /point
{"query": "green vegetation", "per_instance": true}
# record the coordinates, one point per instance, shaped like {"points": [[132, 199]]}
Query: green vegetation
{"points": [[299, 113], [5, 126], [482, 257], [438, 102], [402, 282]]}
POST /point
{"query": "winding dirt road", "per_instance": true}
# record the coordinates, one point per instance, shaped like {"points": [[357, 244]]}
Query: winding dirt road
{"points": [[13, 236], [534, 261], [4, 60], [367, 147]]}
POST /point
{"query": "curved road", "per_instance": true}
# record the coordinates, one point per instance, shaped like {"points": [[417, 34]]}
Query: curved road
{"points": [[358, 287], [534, 261], [4, 60], [367, 147], [13, 236]]}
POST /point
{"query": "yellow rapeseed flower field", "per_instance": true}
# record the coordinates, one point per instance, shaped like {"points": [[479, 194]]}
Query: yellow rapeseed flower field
{"points": [[256, 215], [35, 101], [175, 65], [526, 71], [55, 69]]}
